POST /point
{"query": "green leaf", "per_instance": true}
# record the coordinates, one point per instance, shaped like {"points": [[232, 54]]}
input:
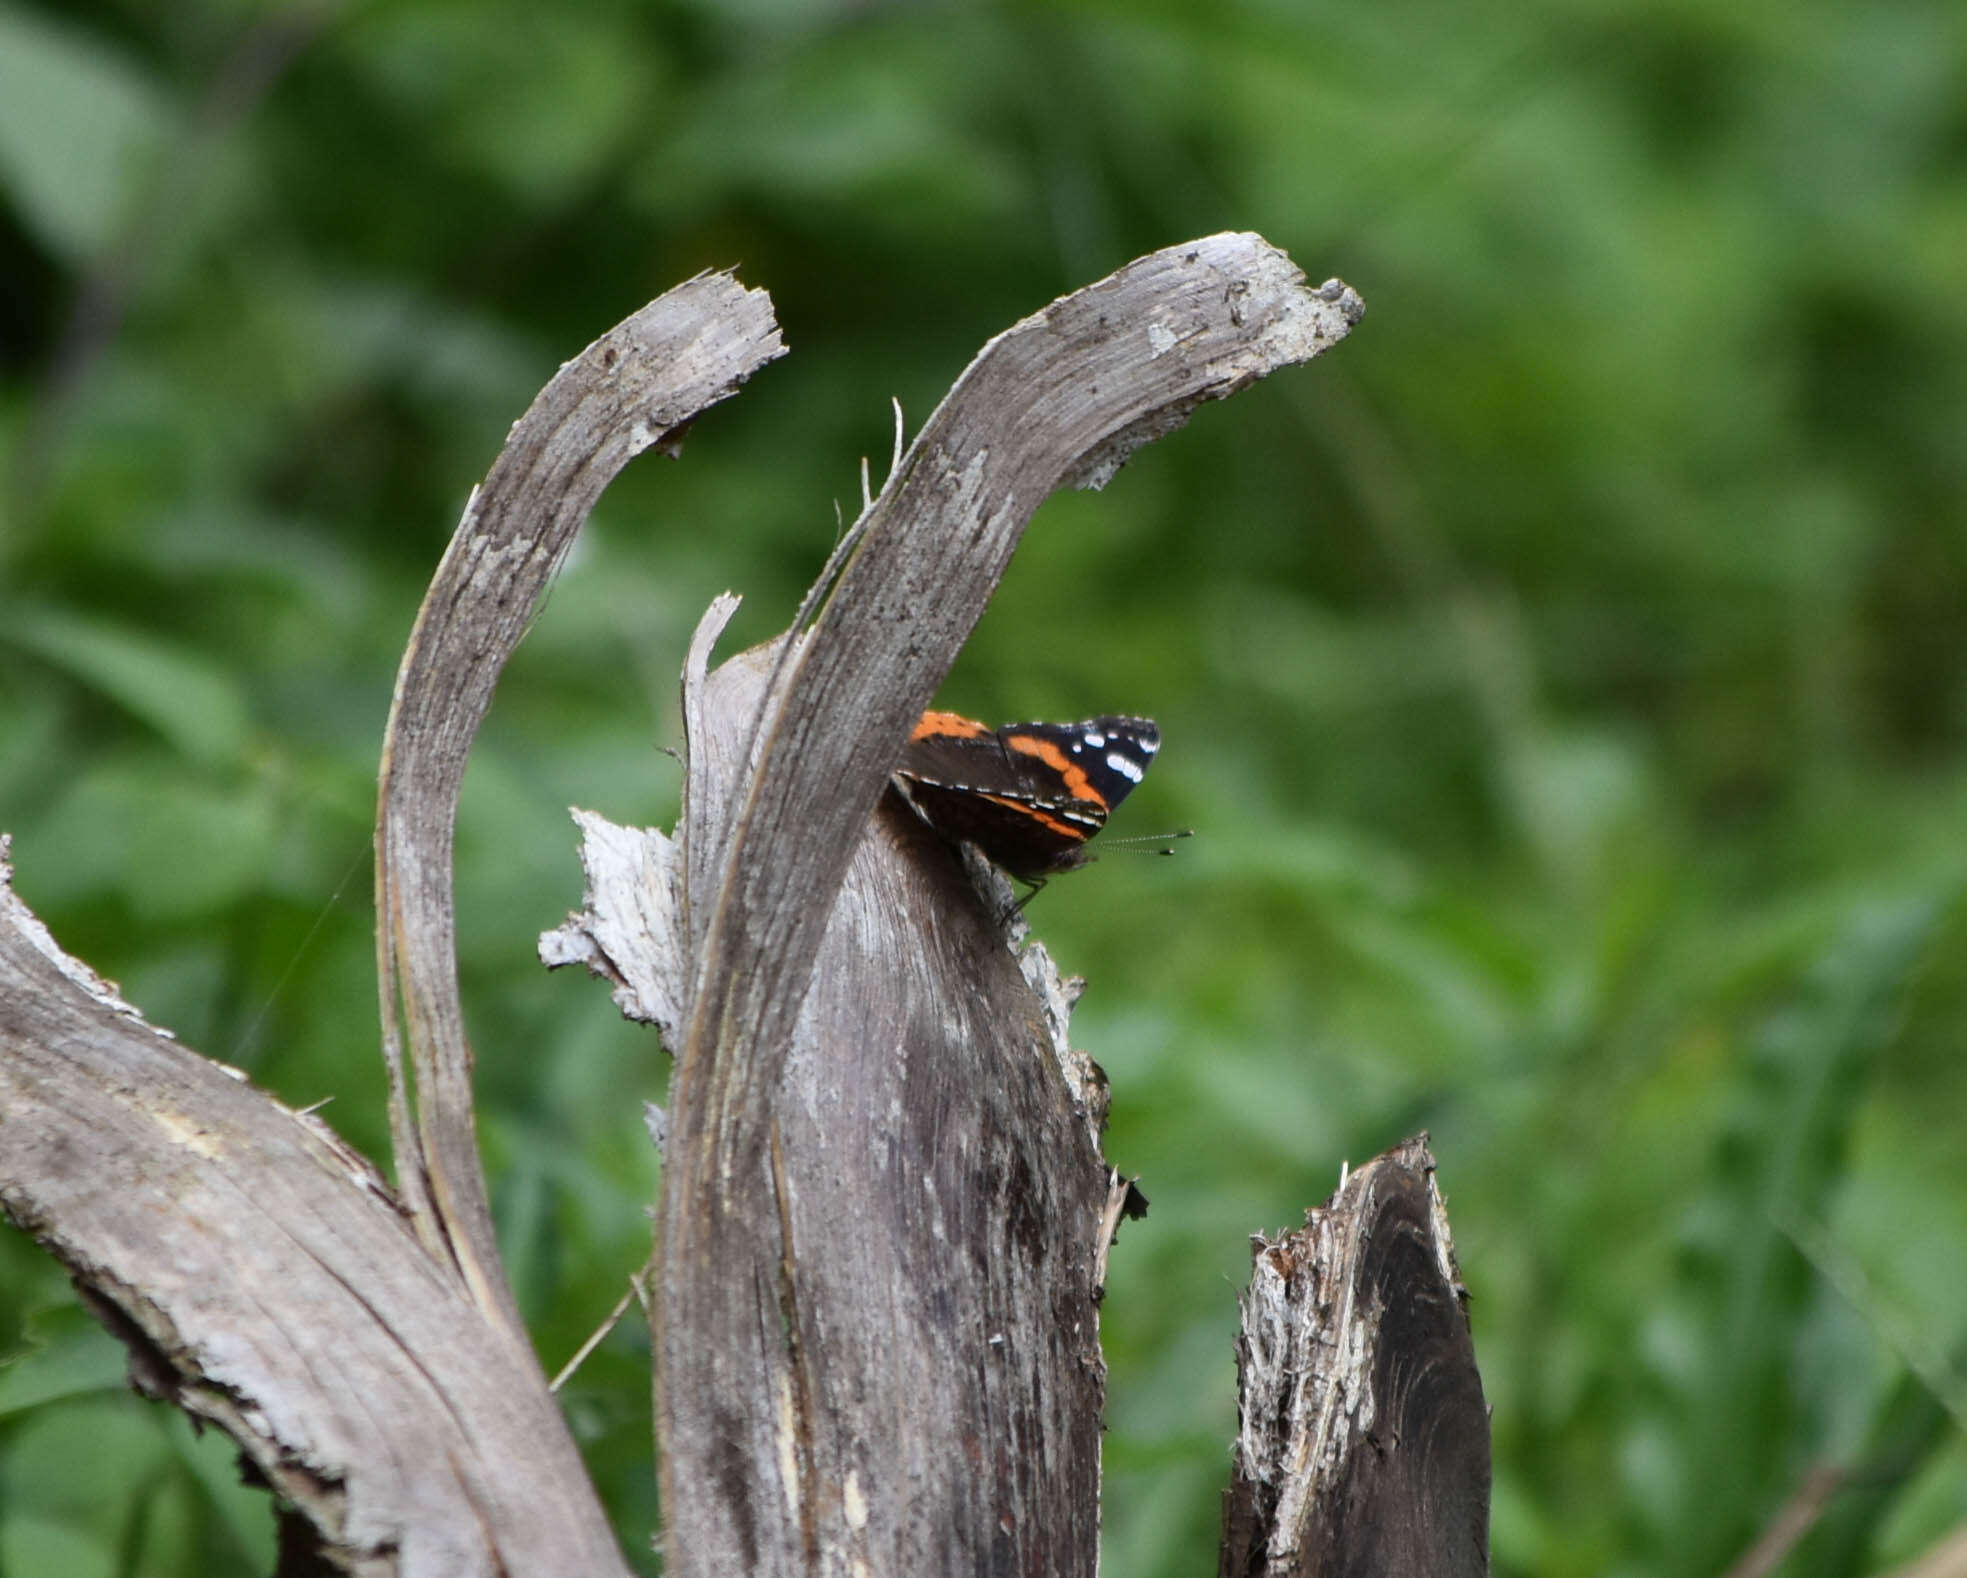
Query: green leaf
{"points": [[77, 1460], [31, 1544], [195, 705], [1908, 1431], [170, 841], [79, 130], [1784, 1152], [75, 1356]]}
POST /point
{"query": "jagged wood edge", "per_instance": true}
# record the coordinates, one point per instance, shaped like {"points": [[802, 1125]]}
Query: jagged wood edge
{"points": [[1363, 1438]]}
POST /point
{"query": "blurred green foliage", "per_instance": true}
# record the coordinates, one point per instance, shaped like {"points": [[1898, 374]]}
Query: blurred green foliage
{"points": [[1566, 675]]}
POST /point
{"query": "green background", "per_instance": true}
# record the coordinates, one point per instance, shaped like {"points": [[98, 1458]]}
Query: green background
{"points": [[1565, 676]]}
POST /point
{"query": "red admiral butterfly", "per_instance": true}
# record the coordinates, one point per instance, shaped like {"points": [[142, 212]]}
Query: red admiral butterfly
{"points": [[1029, 795]]}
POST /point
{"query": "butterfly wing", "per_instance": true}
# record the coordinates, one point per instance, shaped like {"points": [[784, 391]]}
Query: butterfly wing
{"points": [[1029, 795], [1099, 761]]}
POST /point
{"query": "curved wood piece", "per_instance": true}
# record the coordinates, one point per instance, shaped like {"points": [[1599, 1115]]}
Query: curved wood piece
{"points": [[640, 385]]}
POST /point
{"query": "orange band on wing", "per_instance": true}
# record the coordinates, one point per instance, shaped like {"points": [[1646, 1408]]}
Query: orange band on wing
{"points": [[948, 726], [1078, 785]]}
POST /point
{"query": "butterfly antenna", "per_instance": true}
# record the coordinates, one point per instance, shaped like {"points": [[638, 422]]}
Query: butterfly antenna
{"points": [[1167, 840]]}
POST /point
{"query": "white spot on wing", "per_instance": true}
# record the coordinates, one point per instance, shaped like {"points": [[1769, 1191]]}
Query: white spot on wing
{"points": [[1126, 766]]}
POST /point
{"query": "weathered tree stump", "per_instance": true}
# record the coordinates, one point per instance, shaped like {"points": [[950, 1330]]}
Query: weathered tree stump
{"points": [[1363, 1447], [885, 1216]]}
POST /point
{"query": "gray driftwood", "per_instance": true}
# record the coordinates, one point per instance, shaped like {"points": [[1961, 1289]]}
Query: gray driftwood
{"points": [[267, 1281], [1363, 1447], [882, 1204], [357, 1342], [884, 1219]]}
